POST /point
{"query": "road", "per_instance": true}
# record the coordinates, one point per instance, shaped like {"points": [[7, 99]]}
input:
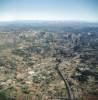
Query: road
{"points": [[64, 78]]}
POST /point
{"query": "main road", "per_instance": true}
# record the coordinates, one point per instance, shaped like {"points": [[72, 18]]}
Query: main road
{"points": [[64, 78]]}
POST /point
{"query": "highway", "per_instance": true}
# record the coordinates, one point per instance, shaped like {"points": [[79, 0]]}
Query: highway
{"points": [[68, 87]]}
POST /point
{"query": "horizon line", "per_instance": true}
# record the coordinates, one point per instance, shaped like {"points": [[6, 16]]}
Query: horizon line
{"points": [[20, 20]]}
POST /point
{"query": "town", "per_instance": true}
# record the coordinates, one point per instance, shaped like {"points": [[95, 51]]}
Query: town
{"points": [[32, 53]]}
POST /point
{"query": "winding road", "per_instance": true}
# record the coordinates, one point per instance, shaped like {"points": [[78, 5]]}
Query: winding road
{"points": [[64, 78]]}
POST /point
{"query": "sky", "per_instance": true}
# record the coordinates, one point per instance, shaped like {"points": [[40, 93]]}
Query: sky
{"points": [[70, 10]]}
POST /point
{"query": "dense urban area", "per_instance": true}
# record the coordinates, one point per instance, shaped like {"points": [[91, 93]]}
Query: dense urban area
{"points": [[36, 58]]}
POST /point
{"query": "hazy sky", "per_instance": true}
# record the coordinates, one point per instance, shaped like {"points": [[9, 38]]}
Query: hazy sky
{"points": [[86, 10]]}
